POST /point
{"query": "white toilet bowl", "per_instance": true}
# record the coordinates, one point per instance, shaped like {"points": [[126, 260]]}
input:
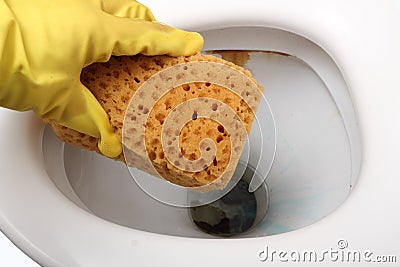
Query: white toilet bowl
{"points": [[67, 207]]}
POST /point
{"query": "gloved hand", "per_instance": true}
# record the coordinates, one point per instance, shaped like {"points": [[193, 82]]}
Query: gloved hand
{"points": [[44, 44]]}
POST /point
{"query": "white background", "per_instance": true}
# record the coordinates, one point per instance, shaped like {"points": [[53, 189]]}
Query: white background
{"points": [[11, 256]]}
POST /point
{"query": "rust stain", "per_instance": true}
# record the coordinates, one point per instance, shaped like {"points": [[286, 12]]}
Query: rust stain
{"points": [[241, 57], [238, 57], [277, 53]]}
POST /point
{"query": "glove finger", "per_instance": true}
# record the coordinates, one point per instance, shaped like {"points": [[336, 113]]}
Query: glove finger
{"points": [[127, 9], [132, 37], [91, 120]]}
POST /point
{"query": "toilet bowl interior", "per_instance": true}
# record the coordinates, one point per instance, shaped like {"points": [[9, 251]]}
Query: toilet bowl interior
{"points": [[317, 153]]}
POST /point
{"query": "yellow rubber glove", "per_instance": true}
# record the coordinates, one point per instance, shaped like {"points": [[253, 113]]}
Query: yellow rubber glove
{"points": [[44, 44]]}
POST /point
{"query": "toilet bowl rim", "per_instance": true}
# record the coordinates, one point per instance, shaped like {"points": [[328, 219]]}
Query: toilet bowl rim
{"points": [[29, 129]]}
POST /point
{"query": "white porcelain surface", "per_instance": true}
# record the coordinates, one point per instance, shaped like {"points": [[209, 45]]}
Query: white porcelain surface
{"points": [[310, 177], [363, 39]]}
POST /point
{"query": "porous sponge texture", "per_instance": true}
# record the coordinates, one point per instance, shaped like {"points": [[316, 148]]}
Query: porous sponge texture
{"points": [[115, 82]]}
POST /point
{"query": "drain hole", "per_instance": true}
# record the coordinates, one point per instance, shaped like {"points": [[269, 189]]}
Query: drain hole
{"points": [[234, 213]]}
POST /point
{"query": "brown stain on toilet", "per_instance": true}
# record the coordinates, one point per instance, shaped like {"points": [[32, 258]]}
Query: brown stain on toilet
{"points": [[241, 57], [238, 57]]}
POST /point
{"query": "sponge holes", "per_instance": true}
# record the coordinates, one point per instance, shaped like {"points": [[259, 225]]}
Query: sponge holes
{"points": [[198, 124], [196, 128], [189, 132]]}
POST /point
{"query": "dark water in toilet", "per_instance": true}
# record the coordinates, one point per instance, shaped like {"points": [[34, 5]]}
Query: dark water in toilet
{"points": [[230, 215]]}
